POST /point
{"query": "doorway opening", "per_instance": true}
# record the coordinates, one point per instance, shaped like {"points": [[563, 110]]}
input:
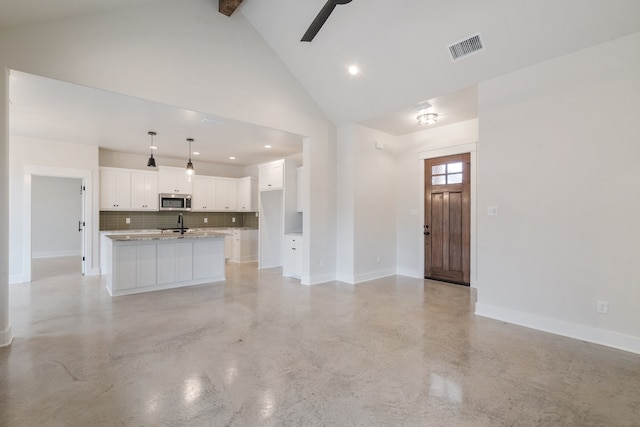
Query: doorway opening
{"points": [[447, 219], [82, 219], [57, 229]]}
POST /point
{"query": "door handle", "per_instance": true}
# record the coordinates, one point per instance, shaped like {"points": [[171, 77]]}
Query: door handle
{"points": [[79, 225]]}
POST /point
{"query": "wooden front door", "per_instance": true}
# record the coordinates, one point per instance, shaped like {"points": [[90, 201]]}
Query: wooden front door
{"points": [[447, 224]]}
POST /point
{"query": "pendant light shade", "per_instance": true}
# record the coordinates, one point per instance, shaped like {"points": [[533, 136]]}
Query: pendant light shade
{"points": [[151, 162], [190, 170]]}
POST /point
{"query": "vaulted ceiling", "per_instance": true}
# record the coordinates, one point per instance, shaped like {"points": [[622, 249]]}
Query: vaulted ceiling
{"points": [[399, 47]]}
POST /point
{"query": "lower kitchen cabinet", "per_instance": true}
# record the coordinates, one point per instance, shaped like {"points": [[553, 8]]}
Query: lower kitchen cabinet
{"points": [[175, 263], [203, 253], [137, 263], [241, 245], [292, 257]]}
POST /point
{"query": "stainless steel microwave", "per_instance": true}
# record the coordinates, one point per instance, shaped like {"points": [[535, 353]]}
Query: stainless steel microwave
{"points": [[175, 202]]}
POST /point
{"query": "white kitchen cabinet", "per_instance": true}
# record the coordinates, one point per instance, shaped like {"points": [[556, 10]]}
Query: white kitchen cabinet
{"points": [[136, 266], [175, 262], [144, 191], [146, 274], [229, 244], [115, 189], [246, 249], [292, 257], [174, 180], [271, 175], [299, 189], [226, 194], [247, 195], [204, 193], [203, 252]]}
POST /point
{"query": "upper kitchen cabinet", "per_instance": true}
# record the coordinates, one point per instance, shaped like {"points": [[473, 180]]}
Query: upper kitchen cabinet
{"points": [[174, 180], [204, 193], [226, 194], [144, 191], [271, 175], [247, 194], [115, 189]]}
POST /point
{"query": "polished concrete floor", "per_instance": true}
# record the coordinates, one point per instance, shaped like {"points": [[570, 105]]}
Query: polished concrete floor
{"points": [[260, 349]]}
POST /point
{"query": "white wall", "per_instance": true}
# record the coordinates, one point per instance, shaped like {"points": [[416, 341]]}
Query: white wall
{"points": [[366, 204], [5, 326], [56, 208], [62, 159], [188, 55], [410, 212], [560, 158]]}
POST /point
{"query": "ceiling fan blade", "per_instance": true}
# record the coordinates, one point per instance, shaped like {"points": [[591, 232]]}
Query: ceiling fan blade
{"points": [[319, 21]]}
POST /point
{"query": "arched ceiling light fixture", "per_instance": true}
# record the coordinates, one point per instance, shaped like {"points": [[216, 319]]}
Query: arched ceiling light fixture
{"points": [[190, 170], [425, 117], [151, 162]]}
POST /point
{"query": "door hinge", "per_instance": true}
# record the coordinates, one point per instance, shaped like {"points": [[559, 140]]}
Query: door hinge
{"points": [[83, 259], [82, 188]]}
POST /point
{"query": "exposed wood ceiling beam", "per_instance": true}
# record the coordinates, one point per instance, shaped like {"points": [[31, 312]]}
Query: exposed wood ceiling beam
{"points": [[227, 7]]}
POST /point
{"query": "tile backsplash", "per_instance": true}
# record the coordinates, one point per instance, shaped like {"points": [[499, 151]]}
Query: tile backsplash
{"points": [[112, 220]]}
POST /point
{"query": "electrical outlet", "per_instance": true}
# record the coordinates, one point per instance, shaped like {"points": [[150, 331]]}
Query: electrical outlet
{"points": [[602, 307], [233, 219], [256, 214], [206, 220], [127, 220], [492, 211]]}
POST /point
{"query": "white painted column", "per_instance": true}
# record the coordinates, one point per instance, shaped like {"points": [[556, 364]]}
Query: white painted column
{"points": [[5, 327]]}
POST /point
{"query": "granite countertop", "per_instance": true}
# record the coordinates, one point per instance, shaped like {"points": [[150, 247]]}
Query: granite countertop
{"points": [[164, 236]]}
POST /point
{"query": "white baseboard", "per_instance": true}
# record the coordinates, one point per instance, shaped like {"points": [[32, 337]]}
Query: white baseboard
{"points": [[559, 327], [372, 275], [318, 279], [16, 278], [6, 337], [56, 254], [416, 274]]}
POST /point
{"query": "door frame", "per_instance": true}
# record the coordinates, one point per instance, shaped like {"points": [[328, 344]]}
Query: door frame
{"points": [[87, 242], [472, 149]]}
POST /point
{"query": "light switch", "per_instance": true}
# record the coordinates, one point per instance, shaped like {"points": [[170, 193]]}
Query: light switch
{"points": [[127, 220], [492, 211], [206, 220]]}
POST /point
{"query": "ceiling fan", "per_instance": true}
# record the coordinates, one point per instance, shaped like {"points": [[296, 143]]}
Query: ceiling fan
{"points": [[321, 19]]}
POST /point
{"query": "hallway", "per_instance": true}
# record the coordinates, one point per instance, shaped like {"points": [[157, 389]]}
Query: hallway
{"points": [[260, 349]]}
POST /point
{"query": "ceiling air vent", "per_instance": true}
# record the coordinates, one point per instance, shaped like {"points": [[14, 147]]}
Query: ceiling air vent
{"points": [[468, 46]]}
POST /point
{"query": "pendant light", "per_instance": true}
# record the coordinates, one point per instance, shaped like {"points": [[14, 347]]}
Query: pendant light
{"points": [[151, 162], [190, 170]]}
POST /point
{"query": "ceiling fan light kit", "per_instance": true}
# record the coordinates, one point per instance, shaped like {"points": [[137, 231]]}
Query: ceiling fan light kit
{"points": [[321, 18]]}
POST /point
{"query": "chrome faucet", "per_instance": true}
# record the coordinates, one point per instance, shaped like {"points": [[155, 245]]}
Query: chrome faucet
{"points": [[181, 223]]}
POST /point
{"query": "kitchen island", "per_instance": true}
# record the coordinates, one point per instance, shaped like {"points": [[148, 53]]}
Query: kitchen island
{"points": [[149, 262]]}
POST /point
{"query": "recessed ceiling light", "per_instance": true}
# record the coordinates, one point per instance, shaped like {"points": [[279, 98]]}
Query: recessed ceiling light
{"points": [[231, 158], [267, 146], [153, 147], [209, 121], [354, 70], [196, 153]]}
